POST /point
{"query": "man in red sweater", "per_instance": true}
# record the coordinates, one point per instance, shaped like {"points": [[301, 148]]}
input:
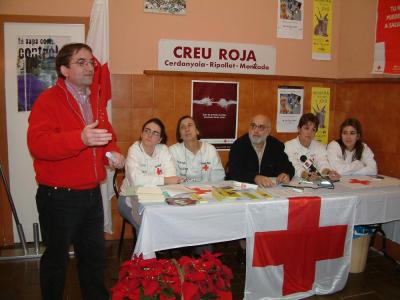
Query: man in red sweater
{"points": [[68, 137]]}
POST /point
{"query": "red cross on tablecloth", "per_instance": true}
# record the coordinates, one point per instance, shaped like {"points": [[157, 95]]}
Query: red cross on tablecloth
{"points": [[300, 246], [363, 182], [205, 167], [158, 171]]}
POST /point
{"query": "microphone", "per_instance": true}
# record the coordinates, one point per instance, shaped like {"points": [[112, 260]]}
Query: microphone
{"points": [[308, 164]]}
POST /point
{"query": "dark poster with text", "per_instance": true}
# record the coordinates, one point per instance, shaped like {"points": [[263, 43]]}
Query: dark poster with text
{"points": [[214, 107]]}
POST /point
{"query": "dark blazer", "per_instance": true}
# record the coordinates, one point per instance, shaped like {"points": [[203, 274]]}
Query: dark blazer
{"points": [[243, 160]]}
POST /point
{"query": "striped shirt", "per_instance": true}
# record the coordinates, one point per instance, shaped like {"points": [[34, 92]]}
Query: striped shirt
{"points": [[83, 101]]}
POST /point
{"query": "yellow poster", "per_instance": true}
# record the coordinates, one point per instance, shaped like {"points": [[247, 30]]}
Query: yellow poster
{"points": [[322, 29], [320, 100]]}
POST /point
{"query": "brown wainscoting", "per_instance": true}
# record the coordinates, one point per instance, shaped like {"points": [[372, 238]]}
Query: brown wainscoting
{"points": [[167, 95]]}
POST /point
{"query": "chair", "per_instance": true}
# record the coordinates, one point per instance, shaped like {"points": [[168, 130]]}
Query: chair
{"points": [[124, 221]]}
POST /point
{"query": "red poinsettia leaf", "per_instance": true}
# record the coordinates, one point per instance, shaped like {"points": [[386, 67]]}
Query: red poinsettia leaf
{"points": [[164, 297], [189, 291], [198, 276], [228, 272], [220, 284], [150, 287], [224, 295], [118, 295], [133, 294], [185, 260], [176, 286]]}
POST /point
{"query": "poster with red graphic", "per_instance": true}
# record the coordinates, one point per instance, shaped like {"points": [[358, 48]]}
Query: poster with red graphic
{"points": [[215, 108], [387, 37]]}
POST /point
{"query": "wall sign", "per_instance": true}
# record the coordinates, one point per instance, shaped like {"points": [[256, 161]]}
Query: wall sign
{"points": [[200, 56]]}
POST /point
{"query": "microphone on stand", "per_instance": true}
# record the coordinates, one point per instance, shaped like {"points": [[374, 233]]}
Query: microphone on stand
{"points": [[308, 164]]}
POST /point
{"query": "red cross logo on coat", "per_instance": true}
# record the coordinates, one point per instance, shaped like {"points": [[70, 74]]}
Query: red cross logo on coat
{"points": [[158, 171], [205, 167], [300, 246]]}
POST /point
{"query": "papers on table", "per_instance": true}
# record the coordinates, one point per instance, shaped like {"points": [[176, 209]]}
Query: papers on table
{"points": [[176, 189], [201, 193], [147, 194]]}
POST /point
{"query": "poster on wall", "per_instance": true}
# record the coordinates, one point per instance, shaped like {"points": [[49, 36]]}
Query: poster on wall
{"points": [[290, 108], [215, 108], [290, 19], [216, 57], [322, 30], [387, 37], [175, 7], [35, 65], [320, 106]]}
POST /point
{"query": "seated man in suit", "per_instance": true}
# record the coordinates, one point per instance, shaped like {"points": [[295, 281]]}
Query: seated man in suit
{"points": [[257, 156]]}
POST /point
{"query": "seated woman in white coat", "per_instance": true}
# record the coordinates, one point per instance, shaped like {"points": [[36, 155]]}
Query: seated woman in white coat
{"points": [[315, 152], [148, 163], [349, 155], [195, 161]]}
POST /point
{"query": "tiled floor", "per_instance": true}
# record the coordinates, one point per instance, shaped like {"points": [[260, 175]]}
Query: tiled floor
{"points": [[19, 280]]}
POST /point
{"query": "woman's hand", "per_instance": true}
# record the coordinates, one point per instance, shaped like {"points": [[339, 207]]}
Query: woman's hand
{"points": [[333, 175]]}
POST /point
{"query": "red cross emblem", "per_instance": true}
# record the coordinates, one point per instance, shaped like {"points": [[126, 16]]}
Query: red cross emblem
{"points": [[300, 246], [363, 182], [158, 171], [205, 167], [199, 191]]}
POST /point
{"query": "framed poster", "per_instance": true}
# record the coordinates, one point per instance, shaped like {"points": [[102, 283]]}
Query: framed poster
{"points": [[215, 107], [36, 70], [290, 108]]}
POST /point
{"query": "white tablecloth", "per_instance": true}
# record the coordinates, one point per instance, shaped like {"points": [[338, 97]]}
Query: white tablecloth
{"points": [[166, 227]]}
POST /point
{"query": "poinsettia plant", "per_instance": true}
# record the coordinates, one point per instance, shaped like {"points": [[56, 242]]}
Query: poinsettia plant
{"points": [[205, 278], [147, 279], [188, 278]]}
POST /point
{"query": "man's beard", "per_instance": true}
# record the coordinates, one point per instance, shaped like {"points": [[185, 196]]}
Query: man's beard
{"points": [[258, 139]]}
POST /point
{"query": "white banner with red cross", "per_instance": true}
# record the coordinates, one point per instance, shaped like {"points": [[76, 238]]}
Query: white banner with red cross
{"points": [[298, 247]]}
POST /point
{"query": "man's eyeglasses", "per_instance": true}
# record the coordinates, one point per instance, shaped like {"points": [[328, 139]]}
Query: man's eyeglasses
{"points": [[260, 127], [150, 132], [85, 63]]}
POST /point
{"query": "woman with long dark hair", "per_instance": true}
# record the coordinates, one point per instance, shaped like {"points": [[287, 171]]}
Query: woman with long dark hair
{"points": [[349, 155]]}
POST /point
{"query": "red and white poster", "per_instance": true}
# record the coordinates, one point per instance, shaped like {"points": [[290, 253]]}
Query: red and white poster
{"points": [[387, 37], [215, 108]]}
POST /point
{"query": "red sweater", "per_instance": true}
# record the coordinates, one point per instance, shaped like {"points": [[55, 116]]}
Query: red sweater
{"points": [[54, 140]]}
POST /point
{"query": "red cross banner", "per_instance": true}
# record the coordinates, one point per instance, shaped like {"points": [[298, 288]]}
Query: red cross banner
{"points": [[305, 252], [97, 39]]}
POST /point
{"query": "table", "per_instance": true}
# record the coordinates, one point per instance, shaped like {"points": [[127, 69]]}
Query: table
{"points": [[166, 227]]}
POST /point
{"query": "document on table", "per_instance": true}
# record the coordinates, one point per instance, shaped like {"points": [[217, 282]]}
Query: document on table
{"points": [[176, 189]]}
